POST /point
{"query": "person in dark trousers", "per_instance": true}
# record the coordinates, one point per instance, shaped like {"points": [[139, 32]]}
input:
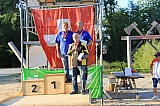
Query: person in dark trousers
{"points": [[85, 36], [79, 53], [155, 72], [63, 40]]}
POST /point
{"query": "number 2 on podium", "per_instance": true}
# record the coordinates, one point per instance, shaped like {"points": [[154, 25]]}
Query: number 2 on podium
{"points": [[34, 89]]}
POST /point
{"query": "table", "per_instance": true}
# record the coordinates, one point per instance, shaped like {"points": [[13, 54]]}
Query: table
{"points": [[127, 83]]}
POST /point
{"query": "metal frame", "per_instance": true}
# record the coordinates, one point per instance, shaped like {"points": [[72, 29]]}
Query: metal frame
{"points": [[26, 22], [142, 37]]}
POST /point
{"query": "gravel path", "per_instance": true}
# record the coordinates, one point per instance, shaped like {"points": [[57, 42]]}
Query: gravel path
{"points": [[144, 86], [10, 85]]}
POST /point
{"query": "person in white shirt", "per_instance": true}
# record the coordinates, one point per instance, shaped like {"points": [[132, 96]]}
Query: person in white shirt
{"points": [[155, 71]]}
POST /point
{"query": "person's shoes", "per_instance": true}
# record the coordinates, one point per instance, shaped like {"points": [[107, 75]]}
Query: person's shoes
{"points": [[83, 93], [154, 98], [73, 92], [87, 91], [68, 80]]}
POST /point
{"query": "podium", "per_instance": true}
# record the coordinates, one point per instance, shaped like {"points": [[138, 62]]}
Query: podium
{"points": [[44, 82], [33, 87], [68, 88], [54, 83]]}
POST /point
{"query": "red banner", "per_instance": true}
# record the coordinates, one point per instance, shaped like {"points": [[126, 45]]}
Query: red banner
{"points": [[48, 24]]}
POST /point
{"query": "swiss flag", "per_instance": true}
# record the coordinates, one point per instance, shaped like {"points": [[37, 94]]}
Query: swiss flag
{"points": [[48, 23]]}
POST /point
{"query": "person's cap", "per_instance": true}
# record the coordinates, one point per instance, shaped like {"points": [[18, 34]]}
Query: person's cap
{"points": [[157, 54]]}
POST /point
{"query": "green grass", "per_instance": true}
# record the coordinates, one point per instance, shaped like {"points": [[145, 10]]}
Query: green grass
{"points": [[115, 66], [106, 72]]}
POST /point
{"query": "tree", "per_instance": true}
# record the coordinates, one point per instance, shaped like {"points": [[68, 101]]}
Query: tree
{"points": [[144, 55], [118, 18], [113, 23], [9, 31]]}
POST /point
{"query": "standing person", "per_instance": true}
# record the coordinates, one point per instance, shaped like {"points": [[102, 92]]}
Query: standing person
{"points": [[79, 53], [155, 71], [63, 40], [84, 35]]}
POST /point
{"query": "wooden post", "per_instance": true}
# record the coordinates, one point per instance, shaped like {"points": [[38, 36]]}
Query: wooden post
{"points": [[129, 55]]}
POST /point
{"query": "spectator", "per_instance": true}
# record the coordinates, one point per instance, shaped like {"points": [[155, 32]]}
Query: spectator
{"points": [[155, 71]]}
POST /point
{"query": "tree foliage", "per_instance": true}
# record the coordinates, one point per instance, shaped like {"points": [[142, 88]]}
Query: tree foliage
{"points": [[144, 55], [117, 18], [9, 31]]}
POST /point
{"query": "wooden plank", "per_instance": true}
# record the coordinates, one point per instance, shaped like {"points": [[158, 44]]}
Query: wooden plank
{"points": [[121, 75], [56, 100], [11, 97], [67, 3], [87, 2], [128, 91], [111, 87], [68, 88], [141, 37], [47, 1], [107, 95]]}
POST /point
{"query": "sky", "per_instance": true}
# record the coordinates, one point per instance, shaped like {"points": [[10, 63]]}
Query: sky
{"points": [[123, 3]]}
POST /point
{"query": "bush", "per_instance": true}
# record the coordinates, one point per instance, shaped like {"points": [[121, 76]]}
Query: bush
{"points": [[115, 67], [144, 55], [112, 67], [143, 70]]}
